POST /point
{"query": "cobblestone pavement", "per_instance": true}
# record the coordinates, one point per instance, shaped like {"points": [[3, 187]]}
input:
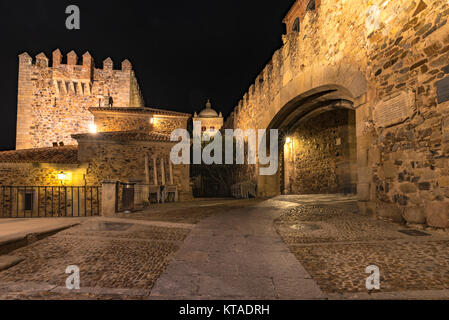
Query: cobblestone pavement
{"points": [[336, 244], [188, 212], [234, 252], [119, 257], [122, 256]]}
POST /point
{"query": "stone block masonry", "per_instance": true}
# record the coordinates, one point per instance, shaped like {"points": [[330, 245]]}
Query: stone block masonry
{"points": [[367, 52], [53, 101]]}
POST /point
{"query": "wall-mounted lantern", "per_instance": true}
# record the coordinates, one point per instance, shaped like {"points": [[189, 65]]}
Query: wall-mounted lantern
{"points": [[62, 177], [93, 128]]}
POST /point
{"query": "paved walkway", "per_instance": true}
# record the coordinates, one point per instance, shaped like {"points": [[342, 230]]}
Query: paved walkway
{"points": [[12, 229], [237, 255]]}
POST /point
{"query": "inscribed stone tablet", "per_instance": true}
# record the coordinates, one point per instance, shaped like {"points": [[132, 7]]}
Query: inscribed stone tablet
{"points": [[394, 109], [443, 90]]}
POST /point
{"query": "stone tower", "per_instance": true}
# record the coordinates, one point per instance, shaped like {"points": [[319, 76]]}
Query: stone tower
{"points": [[53, 101]]}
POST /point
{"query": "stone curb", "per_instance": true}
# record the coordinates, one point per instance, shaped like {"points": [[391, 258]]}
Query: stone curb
{"points": [[16, 241]]}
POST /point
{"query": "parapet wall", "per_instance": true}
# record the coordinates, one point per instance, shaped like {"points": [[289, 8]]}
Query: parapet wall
{"points": [[53, 101]]}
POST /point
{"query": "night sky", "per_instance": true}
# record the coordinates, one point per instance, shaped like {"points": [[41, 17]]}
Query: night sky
{"points": [[183, 52]]}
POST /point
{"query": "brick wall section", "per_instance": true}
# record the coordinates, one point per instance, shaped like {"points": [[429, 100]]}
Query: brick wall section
{"points": [[53, 101]]}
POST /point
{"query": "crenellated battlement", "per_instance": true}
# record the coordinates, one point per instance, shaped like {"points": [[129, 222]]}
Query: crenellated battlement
{"points": [[72, 60], [55, 95]]}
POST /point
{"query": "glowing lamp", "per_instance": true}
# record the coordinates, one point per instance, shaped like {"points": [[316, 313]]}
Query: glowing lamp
{"points": [[288, 140], [152, 121], [62, 176], [92, 128]]}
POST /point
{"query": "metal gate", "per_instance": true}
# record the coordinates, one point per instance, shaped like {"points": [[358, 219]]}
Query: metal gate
{"points": [[42, 201]]}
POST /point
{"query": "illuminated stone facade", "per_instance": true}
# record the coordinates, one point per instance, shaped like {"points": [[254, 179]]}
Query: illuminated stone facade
{"points": [[387, 61], [98, 125], [53, 101], [209, 118]]}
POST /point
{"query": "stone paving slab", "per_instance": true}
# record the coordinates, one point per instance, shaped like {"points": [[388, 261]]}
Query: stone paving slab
{"points": [[13, 229], [236, 255], [8, 261]]}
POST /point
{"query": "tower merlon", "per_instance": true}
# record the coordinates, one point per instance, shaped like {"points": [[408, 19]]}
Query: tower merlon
{"points": [[126, 65], [108, 64], [25, 58], [41, 60], [72, 58], [57, 58], [88, 61]]}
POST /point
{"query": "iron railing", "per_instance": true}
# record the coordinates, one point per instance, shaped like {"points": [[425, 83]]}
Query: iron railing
{"points": [[47, 201]]}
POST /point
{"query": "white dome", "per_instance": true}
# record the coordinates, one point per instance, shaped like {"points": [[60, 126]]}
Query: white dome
{"points": [[208, 112]]}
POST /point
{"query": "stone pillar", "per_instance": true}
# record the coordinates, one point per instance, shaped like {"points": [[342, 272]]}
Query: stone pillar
{"points": [[147, 169], [171, 172], [368, 155], [288, 167], [108, 198], [163, 171], [155, 171]]}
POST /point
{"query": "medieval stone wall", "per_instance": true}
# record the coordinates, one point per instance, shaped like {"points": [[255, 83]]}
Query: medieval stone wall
{"points": [[30, 174], [126, 162], [322, 155], [53, 102], [113, 121], [391, 60], [169, 124]]}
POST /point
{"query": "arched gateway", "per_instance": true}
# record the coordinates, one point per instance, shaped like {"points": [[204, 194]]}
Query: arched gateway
{"points": [[315, 116], [360, 94]]}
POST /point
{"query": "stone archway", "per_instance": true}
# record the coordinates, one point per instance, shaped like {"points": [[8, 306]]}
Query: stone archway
{"points": [[326, 93]]}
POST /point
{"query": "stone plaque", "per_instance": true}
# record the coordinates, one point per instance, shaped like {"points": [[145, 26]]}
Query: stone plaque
{"points": [[394, 109], [443, 90]]}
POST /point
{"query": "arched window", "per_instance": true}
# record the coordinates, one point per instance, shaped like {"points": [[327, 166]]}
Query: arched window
{"points": [[296, 27]]}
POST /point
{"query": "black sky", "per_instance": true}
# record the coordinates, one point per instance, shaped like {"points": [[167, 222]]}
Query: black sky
{"points": [[183, 52]]}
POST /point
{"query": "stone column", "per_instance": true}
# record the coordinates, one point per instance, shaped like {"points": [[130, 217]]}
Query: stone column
{"points": [[108, 197], [155, 171], [147, 169], [163, 171], [171, 173]]}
